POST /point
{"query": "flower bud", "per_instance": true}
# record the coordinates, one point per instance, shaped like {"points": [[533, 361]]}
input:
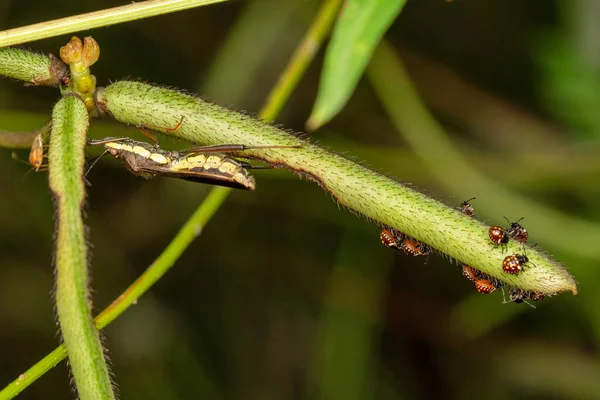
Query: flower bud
{"points": [[91, 51], [71, 52]]}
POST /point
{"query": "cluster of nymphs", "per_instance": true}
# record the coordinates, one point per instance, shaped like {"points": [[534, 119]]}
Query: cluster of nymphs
{"points": [[484, 283]]}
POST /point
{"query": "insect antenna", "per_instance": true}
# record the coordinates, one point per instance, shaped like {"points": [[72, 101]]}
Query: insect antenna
{"points": [[15, 157], [94, 161], [100, 142], [522, 300], [515, 223]]}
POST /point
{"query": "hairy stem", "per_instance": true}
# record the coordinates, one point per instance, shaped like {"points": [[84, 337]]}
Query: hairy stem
{"points": [[192, 228], [279, 95], [430, 142], [304, 53], [33, 68], [66, 160], [360, 189]]}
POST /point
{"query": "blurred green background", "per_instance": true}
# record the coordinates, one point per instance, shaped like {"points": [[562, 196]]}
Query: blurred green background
{"points": [[286, 296]]}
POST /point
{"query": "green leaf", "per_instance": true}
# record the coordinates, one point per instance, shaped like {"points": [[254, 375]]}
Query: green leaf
{"points": [[357, 32]]}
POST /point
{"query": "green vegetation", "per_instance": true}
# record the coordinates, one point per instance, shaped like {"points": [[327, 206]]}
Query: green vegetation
{"points": [[280, 287]]}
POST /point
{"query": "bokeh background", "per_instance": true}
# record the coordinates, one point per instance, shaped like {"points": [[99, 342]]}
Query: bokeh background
{"points": [[286, 296]]}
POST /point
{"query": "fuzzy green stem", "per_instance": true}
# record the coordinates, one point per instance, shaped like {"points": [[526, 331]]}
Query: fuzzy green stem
{"points": [[33, 68], [284, 87], [97, 19], [66, 162], [431, 144], [360, 189], [192, 228]]}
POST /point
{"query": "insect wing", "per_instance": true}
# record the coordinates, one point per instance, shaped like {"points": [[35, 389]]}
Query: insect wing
{"points": [[246, 183], [214, 169], [36, 155]]}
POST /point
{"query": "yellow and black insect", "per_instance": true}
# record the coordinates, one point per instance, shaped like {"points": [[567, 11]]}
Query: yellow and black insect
{"points": [[207, 164]]}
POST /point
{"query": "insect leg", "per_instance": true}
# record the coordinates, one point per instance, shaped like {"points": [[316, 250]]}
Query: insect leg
{"points": [[146, 130], [100, 142], [247, 165], [225, 148]]}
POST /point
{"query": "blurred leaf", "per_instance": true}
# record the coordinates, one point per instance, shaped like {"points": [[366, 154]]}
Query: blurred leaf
{"points": [[357, 32], [264, 30], [557, 371], [343, 364], [570, 86]]}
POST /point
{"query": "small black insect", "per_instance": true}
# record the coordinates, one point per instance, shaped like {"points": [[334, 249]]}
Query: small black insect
{"points": [[516, 231], [466, 207]]}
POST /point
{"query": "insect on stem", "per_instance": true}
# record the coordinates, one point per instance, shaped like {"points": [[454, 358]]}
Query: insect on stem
{"points": [[208, 164], [36, 155]]}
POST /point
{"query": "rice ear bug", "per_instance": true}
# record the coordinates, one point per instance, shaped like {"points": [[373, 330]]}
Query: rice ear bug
{"points": [[466, 207], [389, 239], [470, 273], [515, 263], [395, 239], [517, 232], [413, 247], [536, 296], [497, 235], [484, 286], [517, 295]]}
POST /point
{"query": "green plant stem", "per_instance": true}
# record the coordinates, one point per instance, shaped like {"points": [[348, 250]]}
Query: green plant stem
{"points": [[32, 374], [33, 68], [97, 19], [304, 53], [190, 230], [360, 189], [431, 143], [66, 165], [22, 140], [193, 226]]}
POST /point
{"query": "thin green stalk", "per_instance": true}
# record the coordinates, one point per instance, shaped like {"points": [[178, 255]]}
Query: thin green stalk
{"points": [[32, 374], [22, 140], [302, 57], [66, 162], [33, 68], [280, 93], [191, 229], [358, 188], [97, 19]]}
